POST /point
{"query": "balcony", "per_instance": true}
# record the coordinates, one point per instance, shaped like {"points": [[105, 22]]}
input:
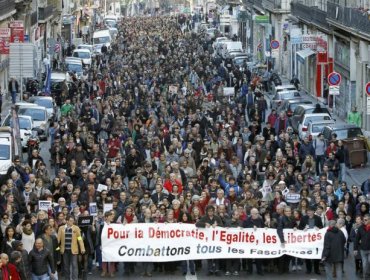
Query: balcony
{"points": [[344, 17], [277, 5], [310, 14], [7, 8], [45, 13]]}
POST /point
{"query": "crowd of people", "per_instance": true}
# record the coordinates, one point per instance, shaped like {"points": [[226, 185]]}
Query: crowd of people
{"points": [[149, 121]]}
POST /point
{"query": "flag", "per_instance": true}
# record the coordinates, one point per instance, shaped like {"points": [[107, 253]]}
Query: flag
{"points": [[46, 89]]}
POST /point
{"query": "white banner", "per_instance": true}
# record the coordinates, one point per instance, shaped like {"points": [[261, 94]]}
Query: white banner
{"points": [[175, 242]]}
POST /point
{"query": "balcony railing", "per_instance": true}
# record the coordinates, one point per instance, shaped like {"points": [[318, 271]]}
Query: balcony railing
{"points": [[45, 13], [273, 5], [354, 18], [312, 15], [6, 6]]}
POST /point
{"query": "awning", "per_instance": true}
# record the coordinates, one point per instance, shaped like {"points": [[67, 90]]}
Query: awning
{"points": [[303, 54]]}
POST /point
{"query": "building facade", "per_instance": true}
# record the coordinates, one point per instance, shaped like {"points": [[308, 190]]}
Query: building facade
{"points": [[316, 38]]}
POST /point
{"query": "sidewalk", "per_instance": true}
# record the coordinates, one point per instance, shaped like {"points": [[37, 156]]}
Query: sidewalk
{"points": [[354, 176]]}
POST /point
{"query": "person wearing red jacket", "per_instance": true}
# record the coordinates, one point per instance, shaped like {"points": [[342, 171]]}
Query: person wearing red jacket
{"points": [[169, 183], [8, 271], [114, 145]]}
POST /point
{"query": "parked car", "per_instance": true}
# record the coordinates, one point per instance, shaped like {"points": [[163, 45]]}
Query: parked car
{"points": [[343, 131], [307, 118], [289, 106], [8, 149], [25, 127], [218, 40], [211, 32], [86, 47], [278, 88], [74, 65], [39, 117], [283, 95], [240, 60], [315, 127], [48, 103], [300, 111], [84, 55]]}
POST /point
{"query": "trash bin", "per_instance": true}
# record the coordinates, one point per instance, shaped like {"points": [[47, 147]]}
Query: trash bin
{"points": [[357, 152]]}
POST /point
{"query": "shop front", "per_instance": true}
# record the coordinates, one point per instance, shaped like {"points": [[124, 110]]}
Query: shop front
{"points": [[347, 91], [306, 67]]}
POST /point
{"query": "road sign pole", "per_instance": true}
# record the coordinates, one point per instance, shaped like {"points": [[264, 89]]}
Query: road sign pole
{"points": [[21, 67], [333, 104]]}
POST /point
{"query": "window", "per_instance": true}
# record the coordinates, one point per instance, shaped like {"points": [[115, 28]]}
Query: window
{"points": [[4, 152]]}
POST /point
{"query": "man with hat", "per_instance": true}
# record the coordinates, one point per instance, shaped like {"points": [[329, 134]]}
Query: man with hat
{"points": [[311, 221]]}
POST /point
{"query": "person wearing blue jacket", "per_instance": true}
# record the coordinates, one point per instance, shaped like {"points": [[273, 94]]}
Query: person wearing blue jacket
{"points": [[230, 184]]}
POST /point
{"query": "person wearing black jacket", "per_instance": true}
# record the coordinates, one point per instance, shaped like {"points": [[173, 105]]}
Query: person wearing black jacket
{"points": [[24, 264], [232, 265], [211, 220], [285, 221], [333, 252], [40, 260], [51, 243], [254, 221], [362, 244], [311, 221]]}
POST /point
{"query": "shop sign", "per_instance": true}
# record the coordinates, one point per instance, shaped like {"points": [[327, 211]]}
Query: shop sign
{"points": [[4, 40], [296, 36], [309, 42], [261, 19]]}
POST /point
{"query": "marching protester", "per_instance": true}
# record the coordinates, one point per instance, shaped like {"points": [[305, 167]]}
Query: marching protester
{"points": [[147, 135], [71, 244], [333, 253], [362, 244], [40, 261]]}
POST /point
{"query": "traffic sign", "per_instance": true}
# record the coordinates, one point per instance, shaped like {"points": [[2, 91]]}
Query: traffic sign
{"points": [[367, 88], [274, 44], [334, 79], [333, 90]]}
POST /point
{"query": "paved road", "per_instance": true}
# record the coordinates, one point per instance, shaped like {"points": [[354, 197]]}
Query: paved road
{"points": [[301, 275]]}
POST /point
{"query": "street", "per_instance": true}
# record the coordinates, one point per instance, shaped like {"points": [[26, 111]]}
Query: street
{"points": [[184, 130]]}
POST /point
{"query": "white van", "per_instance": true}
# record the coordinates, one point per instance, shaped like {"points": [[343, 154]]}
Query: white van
{"points": [[8, 149], [84, 55], [230, 46], [101, 38]]}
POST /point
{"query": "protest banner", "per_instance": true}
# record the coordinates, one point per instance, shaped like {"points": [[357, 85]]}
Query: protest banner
{"points": [[175, 242]]}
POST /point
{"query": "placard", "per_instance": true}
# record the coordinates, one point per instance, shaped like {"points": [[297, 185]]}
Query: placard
{"points": [[44, 205], [101, 188], [93, 209], [172, 89], [107, 207], [84, 221]]}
